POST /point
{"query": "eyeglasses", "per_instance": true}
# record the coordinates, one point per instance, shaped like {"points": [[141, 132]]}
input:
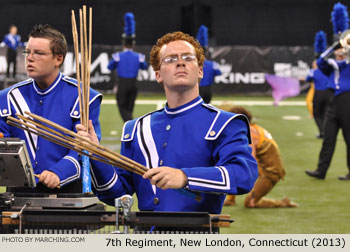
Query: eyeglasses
{"points": [[35, 53], [188, 57]]}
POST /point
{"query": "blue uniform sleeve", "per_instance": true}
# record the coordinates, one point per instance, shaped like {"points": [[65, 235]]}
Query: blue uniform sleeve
{"points": [[104, 178], [5, 109], [324, 66], [143, 63], [68, 168], [111, 182], [310, 76], [5, 129], [216, 69], [113, 63], [20, 43], [7, 41], [235, 169]]}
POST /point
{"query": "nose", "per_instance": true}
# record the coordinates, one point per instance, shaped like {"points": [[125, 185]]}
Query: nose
{"points": [[30, 57], [180, 62]]}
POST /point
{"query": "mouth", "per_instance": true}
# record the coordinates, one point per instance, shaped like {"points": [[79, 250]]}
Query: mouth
{"points": [[181, 73], [30, 67]]}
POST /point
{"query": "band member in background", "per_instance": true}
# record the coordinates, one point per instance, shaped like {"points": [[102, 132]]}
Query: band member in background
{"points": [[187, 145], [127, 64], [338, 111], [322, 94], [210, 68], [50, 94], [12, 41]]}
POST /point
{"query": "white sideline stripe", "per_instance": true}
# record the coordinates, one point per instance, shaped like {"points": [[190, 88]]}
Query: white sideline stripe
{"points": [[160, 103]]}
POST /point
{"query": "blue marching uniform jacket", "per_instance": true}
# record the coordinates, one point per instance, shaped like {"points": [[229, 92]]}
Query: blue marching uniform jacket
{"points": [[58, 103], [210, 70], [338, 82], [320, 79], [12, 41], [209, 145], [127, 63]]}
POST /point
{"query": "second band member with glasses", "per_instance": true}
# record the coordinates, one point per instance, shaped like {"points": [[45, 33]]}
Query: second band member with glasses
{"points": [[50, 94]]}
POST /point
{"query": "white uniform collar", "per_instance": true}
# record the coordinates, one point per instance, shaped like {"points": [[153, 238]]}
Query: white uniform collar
{"points": [[182, 108], [50, 88]]}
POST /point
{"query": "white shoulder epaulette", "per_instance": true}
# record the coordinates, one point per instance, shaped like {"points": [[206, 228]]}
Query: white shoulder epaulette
{"points": [[129, 127], [75, 112], [5, 106], [221, 120]]}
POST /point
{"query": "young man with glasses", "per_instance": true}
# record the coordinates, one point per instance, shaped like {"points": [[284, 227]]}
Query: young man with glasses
{"points": [[50, 94], [187, 145]]}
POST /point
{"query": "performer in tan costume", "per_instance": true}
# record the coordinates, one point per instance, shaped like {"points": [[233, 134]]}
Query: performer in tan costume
{"points": [[270, 164]]}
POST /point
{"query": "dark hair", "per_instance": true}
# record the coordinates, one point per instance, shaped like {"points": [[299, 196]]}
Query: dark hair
{"points": [[128, 41], [58, 43], [170, 37], [237, 110], [11, 26]]}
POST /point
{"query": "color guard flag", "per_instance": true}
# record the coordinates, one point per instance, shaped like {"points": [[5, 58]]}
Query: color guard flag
{"points": [[282, 87]]}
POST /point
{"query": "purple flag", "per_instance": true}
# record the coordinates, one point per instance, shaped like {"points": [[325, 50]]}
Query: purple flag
{"points": [[282, 87]]}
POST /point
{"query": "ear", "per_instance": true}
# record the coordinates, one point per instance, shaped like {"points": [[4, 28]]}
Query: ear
{"points": [[159, 77], [200, 73], [59, 59]]}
